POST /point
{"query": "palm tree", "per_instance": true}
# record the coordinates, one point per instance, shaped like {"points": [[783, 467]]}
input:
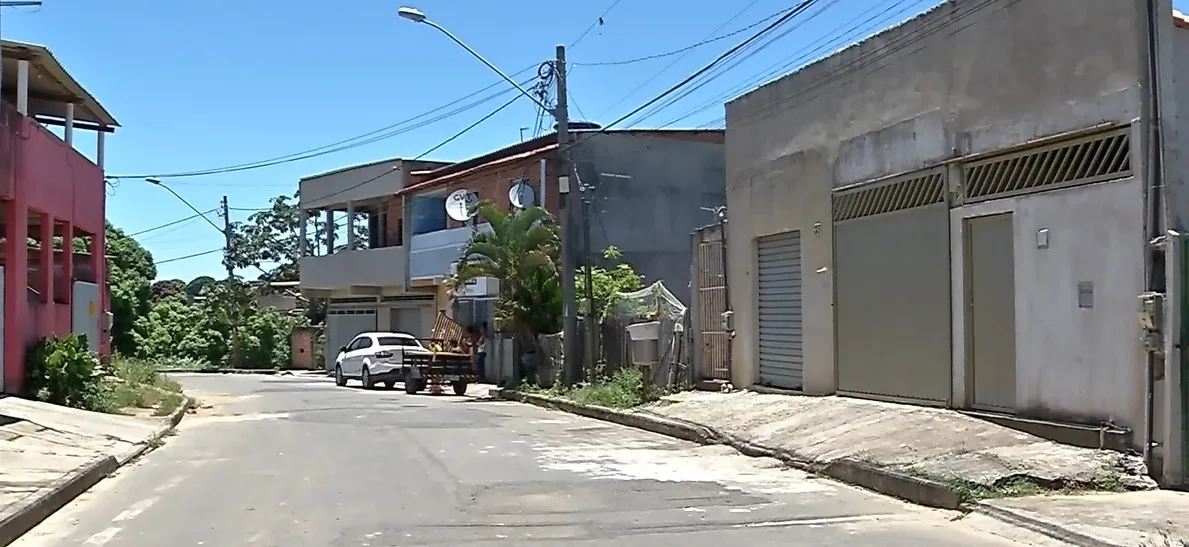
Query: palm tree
{"points": [[521, 251]]}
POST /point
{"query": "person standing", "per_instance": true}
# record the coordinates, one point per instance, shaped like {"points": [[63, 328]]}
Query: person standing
{"points": [[481, 352]]}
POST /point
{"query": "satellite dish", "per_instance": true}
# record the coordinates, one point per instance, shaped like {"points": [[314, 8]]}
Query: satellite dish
{"points": [[459, 205], [522, 195]]}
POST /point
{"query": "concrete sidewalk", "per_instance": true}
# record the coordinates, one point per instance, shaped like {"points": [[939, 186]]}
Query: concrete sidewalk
{"points": [[986, 459], [993, 467], [49, 454]]}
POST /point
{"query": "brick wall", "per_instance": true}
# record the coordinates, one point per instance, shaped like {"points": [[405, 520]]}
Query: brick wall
{"points": [[491, 184]]}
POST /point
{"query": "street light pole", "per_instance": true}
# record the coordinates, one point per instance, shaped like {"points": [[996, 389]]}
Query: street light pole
{"points": [[227, 244], [569, 220]]}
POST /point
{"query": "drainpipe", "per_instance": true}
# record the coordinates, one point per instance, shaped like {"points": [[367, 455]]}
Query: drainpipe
{"points": [[1150, 123]]}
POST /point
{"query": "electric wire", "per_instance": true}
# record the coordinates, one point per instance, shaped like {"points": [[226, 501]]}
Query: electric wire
{"points": [[685, 52], [598, 21], [364, 139], [895, 46], [690, 47], [736, 60], [186, 257], [802, 57], [805, 4], [171, 223]]}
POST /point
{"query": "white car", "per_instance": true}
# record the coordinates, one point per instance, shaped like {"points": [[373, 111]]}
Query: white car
{"points": [[374, 358]]}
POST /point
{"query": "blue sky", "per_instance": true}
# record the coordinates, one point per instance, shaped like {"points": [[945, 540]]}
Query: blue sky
{"points": [[199, 85]]}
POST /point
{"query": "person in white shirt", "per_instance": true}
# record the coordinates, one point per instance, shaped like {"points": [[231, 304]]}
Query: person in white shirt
{"points": [[481, 352]]}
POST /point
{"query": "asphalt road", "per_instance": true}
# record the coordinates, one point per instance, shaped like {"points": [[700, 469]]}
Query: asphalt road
{"points": [[293, 461]]}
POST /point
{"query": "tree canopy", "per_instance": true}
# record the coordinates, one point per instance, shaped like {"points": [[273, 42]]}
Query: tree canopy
{"points": [[521, 250], [269, 240], [130, 272]]}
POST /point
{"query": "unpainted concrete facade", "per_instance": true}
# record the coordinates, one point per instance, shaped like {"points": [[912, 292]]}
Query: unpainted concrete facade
{"points": [[969, 77]]}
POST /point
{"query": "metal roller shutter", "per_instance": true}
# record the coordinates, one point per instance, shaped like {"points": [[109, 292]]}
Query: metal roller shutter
{"points": [[779, 277], [341, 327]]}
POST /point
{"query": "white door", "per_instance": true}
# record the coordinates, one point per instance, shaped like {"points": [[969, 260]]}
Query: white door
{"points": [[362, 348]]}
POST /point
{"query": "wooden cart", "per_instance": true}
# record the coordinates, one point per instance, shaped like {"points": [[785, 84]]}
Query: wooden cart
{"points": [[434, 369]]}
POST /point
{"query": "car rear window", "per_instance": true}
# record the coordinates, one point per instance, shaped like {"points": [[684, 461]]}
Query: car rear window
{"points": [[396, 341]]}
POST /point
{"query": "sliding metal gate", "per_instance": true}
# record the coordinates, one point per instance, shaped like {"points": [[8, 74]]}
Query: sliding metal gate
{"points": [[892, 289]]}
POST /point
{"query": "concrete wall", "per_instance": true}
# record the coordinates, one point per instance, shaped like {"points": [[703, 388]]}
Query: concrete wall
{"points": [[650, 215], [364, 182], [1072, 364], [967, 77]]}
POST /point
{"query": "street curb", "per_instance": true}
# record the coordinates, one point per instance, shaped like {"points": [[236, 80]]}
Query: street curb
{"points": [[914, 489], [22, 517], [260, 371], [19, 518], [1040, 526], [171, 421]]}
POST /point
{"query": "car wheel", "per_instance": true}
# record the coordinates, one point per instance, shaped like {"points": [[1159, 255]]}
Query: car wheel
{"points": [[460, 388], [366, 378], [339, 379]]}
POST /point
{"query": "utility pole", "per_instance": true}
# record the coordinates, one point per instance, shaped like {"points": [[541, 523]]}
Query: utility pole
{"points": [[573, 362], [588, 261], [233, 312]]}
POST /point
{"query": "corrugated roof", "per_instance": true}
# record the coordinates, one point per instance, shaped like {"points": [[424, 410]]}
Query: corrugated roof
{"points": [[450, 177], [54, 84]]}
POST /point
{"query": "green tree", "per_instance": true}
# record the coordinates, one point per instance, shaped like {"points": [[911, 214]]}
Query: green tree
{"points": [[166, 288], [195, 287], [169, 321], [607, 282], [130, 272], [521, 251], [270, 239]]}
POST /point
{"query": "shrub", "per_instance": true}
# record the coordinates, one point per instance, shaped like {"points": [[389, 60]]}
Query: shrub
{"points": [[64, 371]]}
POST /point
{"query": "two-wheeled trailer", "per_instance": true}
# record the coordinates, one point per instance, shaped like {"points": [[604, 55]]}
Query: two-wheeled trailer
{"points": [[434, 369]]}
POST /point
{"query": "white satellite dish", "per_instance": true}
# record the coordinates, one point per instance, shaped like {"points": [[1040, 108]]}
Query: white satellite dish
{"points": [[522, 195], [459, 204]]}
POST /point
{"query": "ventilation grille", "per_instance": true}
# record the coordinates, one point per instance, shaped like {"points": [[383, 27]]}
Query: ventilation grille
{"points": [[917, 190], [1082, 161]]}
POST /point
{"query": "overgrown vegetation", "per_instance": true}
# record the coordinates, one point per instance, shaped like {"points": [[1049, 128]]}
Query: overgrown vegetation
{"points": [[621, 389], [64, 371], [607, 282], [188, 325]]}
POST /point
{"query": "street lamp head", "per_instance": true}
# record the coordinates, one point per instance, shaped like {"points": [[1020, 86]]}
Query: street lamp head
{"points": [[153, 180], [412, 14]]}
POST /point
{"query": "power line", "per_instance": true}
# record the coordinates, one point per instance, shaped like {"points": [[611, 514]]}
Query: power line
{"points": [[450, 139], [895, 46], [805, 4], [658, 73], [172, 223], [737, 59], [782, 67], [353, 142], [195, 255], [598, 21], [693, 46]]}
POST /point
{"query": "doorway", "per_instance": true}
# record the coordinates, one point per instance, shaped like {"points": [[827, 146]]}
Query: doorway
{"points": [[990, 313]]}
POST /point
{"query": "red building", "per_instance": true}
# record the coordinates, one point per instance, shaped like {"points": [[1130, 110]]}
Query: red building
{"points": [[52, 201]]}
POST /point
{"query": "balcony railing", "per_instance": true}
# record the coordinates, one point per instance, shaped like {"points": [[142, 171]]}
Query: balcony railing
{"points": [[382, 267]]}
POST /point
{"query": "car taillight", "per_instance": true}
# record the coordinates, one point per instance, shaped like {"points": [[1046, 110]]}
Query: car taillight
{"points": [[383, 354]]}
